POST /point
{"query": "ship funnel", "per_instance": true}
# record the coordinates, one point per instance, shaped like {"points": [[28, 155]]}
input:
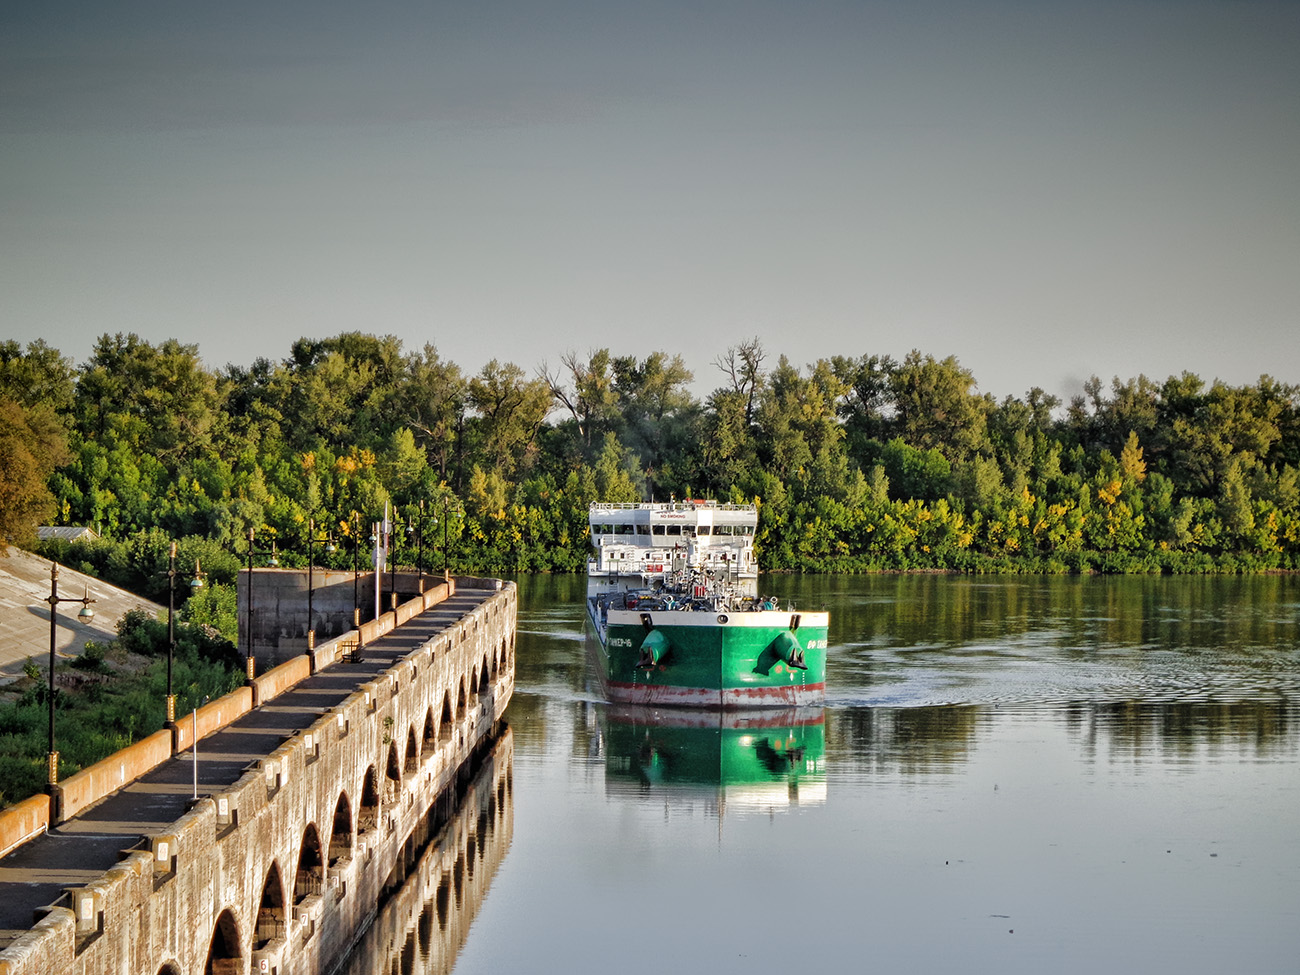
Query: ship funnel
{"points": [[654, 648]]}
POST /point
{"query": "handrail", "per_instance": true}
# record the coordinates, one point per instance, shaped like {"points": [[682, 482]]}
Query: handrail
{"points": [[670, 506]]}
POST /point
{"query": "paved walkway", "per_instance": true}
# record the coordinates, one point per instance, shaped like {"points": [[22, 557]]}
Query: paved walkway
{"points": [[82, 849]]}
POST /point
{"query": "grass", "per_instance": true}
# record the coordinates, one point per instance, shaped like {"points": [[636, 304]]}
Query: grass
{"points": [[104, 701]]}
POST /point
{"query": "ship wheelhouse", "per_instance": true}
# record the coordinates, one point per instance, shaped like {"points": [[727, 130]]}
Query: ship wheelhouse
{"points": [[652, 540]]}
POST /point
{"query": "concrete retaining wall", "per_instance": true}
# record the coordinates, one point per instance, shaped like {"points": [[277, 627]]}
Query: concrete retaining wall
{"points": [[22, 821], [212, 717], [279, 679], [91, 784]]}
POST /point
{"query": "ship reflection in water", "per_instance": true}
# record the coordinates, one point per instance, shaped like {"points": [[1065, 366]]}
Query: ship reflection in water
{"points": [[426, 913], [756, 761]]}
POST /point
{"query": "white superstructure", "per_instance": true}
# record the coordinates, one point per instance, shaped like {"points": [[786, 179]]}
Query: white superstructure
{"points": [[651, 540]]}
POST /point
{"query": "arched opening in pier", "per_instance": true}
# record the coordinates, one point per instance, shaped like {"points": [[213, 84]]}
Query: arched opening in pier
{"points": [[430, 741], [310, 875], [223, 952], [341, 832], [412, 753], [424, 928], [368, 816], [461, 701], [408, 956], [473, 687], [170, 968], [484, 682], [392, 774], [448, 721], [443, 899], [270, 913]]}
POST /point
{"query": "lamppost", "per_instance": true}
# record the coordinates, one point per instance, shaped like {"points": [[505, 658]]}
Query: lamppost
{"points": [[272, 562], [390, 549], [195, 585], [446, 503], [354, 524], [86, 614], [419, 546], [311, 562], [376, 559]]}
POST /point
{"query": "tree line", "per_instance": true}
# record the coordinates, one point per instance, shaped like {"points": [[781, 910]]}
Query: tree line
{"points": [[860, 463]]}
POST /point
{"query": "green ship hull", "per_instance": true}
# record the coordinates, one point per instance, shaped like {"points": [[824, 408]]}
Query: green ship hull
{"points": [[710, 660], [757, 760]]}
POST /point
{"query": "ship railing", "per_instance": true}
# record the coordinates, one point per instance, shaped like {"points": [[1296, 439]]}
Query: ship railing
{"points": [[670, 506]]}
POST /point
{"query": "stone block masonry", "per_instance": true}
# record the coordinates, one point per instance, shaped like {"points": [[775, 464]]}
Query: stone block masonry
{"points": [[308, 803]]}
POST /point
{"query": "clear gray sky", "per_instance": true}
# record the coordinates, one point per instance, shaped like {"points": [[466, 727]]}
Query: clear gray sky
{"points": [[1045, 190]]}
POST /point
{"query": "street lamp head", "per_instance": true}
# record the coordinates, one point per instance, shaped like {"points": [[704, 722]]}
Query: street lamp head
{"points": [[86, 614], [197, 582]]}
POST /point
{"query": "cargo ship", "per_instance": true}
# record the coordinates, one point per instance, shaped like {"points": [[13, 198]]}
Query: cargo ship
{"points": [[676, 618]]}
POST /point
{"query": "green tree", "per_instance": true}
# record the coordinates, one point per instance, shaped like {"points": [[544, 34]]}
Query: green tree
{"points": [[32, 445], [432, 403], [586, 390], [656, 406], [913, 473], [616, 472], [937, 406], [39, 376], [156, 400], [867, 402], [509, 411]]}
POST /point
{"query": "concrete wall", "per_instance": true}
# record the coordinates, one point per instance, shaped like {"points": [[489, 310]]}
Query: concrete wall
{"points": [[212, 717], [23, 820], [280, 618], [91, 784], [280, 872]]}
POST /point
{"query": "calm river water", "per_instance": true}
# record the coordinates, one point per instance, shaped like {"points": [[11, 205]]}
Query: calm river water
{"points": [[1009, 775]]}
